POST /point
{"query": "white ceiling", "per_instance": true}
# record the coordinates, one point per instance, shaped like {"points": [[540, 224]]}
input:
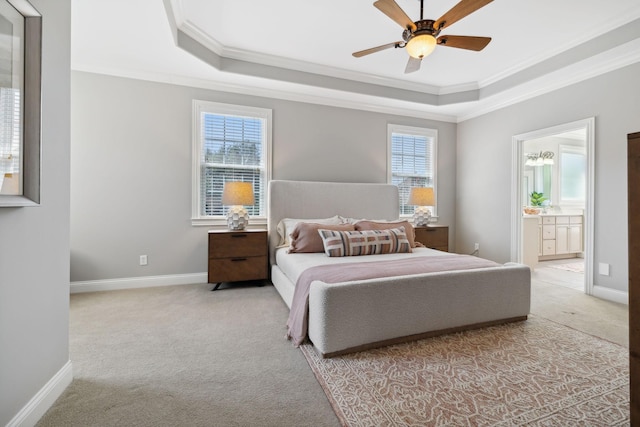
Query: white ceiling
{"points": [[271, 47]]}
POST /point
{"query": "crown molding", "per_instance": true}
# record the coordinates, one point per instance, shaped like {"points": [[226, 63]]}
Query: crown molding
{"points": [[284, 91], [608, 61], [621, 56], [261, 75], [563, 47], [192, 30], [196, 33]]}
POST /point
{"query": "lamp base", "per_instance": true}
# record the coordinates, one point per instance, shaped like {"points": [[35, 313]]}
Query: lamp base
{"points": [[237, 218], [421, 215]]}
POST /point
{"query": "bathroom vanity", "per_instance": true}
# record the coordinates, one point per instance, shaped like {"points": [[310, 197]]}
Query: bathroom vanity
{"points": [[552, 236]]}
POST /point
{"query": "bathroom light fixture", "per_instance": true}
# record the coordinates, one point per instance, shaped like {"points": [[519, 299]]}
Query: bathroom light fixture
{"points": [[539, 159]]}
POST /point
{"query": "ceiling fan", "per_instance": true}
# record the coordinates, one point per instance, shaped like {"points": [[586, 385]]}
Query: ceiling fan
{"points": [[420, 37]]}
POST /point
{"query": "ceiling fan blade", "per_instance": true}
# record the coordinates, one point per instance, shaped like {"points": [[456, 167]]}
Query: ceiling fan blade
{"points": [[413, 65], [393, 11], [459, 11], [464, 42], [375, 49]]}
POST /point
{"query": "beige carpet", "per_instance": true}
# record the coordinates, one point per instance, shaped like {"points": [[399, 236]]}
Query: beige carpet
{"points": [[532, 373], [183, 356]]}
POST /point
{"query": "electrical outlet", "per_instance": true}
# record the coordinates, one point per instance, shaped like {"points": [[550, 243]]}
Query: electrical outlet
{"points": [[476, 247], [143, 260]]}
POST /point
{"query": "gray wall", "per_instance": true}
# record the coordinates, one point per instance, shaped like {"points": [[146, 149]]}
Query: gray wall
{"points": [[34, 241], [131, 168], [483, 187]]}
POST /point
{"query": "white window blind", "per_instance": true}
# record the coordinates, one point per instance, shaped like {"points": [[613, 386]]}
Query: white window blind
{"points": [[411, 161], [232, 143]]}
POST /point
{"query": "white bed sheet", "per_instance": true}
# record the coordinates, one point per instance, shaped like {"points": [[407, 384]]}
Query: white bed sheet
{"points": [[293, 264]]}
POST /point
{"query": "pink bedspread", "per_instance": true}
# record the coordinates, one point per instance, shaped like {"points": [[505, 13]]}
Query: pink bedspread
{"points": [[298, 316]]}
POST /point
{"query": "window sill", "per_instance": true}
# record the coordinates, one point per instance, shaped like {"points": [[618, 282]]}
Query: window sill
{"points": [[221, 222], [434, 219]]}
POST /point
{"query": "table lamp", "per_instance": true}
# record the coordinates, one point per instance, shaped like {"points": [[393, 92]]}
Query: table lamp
{"points": [[421, 197], [237, 195]]}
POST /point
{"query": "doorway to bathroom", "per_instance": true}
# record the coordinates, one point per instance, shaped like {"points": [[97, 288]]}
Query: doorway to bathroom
{"points": [[552, 204]]}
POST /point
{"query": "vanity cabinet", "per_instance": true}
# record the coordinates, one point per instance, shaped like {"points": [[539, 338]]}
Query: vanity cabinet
{"points": [[568, 235], [548, 235], [560, 236]]}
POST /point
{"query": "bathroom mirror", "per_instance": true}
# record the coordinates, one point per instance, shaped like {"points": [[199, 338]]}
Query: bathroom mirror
{"points": [[538, 178]]}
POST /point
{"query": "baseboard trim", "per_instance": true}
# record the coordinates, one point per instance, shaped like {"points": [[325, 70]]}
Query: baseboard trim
{"points": [[137, 282], [611, 294], [44, 399]]}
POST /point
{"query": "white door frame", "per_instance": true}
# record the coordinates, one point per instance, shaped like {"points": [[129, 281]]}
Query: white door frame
{"points": [[516, 191]]}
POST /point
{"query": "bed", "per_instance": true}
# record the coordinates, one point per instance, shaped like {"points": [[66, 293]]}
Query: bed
{"points": [[359, 314]]}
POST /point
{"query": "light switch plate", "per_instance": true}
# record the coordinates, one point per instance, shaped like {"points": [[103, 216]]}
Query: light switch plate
{"points": [[603, 269]]}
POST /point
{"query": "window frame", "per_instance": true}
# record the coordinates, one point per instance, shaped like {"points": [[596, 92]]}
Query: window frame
{"points": [[199, 107], [418, 131]]}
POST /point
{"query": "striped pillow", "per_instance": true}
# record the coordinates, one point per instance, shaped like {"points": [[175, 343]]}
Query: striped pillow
{"points": [[366, 242], [366, 224]]}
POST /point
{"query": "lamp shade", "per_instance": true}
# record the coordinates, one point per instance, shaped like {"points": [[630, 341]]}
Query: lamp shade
{"points": [[421, 196], [10, 184], [237, 194]]}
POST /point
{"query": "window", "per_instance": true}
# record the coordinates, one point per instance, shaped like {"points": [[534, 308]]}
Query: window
{"points": [[573, 172], [411, 161], [230, 143]]}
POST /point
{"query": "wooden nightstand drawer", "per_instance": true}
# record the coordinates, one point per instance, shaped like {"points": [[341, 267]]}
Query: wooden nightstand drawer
{"points": [[434, 237], [237, 244], [237, 269], [236, 256]]}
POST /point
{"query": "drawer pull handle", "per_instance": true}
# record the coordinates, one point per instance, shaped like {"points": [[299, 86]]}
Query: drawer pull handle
{"points": [[238, 259], [238, 235]]}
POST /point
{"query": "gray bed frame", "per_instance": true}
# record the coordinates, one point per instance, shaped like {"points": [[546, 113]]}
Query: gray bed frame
{"points": [[353, 316]]}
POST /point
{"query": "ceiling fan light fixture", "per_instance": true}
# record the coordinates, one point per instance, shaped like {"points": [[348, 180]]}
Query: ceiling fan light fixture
{"points": [[421, 45]]}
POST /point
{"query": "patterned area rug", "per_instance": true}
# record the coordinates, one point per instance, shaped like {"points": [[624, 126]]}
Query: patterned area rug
{"points": [[576, 267], [530, 373]]}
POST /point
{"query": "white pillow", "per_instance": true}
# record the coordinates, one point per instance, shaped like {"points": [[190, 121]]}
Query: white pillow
{"points": [[286, 225]]}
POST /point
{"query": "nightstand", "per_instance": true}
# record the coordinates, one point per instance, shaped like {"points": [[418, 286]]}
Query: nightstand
{"points": [[236, 256], [434, 236]]}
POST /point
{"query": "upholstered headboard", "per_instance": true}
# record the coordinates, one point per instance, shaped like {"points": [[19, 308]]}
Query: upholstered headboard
{"points": [[307, 199]]}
